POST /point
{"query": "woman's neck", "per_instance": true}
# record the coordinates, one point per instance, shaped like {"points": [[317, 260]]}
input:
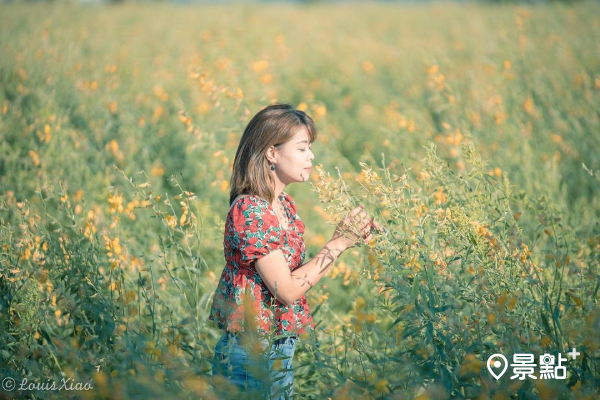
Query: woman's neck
{"points": [[278, 189]]}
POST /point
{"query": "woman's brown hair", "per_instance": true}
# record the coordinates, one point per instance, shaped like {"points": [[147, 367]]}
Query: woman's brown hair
{"points": [[272, 126]]}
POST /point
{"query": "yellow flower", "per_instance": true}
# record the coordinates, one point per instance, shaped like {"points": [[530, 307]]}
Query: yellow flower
{"points": [[26, 254], [157, 170], [158, 112], [34, 157], [160, 93], [113, 246], [368, 67], [381, 387], [471, 364], [224, 185], [171, 221], [116, 246], [440, 196], [182, 219], [319, 111], [259, 66], [529, 106], [203, 108], [266, 79], [360, 304], [116, 202], [432, 70], [113, 146], [424, 175]]}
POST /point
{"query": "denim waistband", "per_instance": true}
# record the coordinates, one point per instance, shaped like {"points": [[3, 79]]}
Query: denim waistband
{"points": [[276, 341]]}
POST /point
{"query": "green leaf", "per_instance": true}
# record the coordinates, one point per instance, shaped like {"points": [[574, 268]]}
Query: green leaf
{"points": [[546, 324], [415, 289]]}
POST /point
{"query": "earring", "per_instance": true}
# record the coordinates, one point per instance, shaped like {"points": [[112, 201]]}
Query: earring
{"points": [[272, 167]]}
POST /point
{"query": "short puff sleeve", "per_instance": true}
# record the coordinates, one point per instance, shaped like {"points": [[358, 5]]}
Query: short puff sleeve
{"points": [[256, 229]]}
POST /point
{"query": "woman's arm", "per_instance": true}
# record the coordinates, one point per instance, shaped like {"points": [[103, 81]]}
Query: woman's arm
{"points": [[288, 286]]}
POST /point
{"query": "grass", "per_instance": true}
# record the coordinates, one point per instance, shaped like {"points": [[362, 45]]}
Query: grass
{"points": [[468, 131]]}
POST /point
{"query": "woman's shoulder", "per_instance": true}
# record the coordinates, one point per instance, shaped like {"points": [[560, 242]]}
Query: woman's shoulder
{"points": [[245, 202], [250, 213]]}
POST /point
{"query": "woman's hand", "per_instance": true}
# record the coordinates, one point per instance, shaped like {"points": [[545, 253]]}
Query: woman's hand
{"points": [[355, 229]]}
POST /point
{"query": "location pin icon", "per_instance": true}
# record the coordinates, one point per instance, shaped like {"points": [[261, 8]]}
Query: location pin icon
{"points": [[497, 364]]}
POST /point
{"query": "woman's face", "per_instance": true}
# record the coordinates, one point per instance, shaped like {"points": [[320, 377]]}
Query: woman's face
{"points": [[293, 160]]}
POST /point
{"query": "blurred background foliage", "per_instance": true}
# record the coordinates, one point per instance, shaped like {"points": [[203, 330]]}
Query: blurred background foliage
{"points": [[119, 126]]}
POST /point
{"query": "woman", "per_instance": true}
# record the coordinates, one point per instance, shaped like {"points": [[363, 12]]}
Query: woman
{"points": [[260, 301]]}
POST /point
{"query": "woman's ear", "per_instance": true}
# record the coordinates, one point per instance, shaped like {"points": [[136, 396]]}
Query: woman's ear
{"points": [[271, 154]]}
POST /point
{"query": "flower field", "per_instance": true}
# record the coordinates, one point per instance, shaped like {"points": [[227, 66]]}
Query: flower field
{"points": [[470, 132]]}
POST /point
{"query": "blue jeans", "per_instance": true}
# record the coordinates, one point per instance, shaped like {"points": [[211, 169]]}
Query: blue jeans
{"points": [[258, 373]]}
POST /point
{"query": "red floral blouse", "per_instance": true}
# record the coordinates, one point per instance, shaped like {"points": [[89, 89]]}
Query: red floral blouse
{"points": [[251, 232]]}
